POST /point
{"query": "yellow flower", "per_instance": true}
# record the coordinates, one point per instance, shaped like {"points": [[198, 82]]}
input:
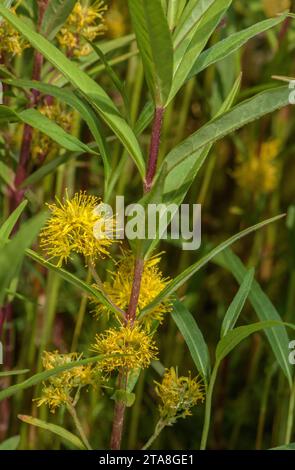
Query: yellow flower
{"points": [[70, 229], [178, 395], [41, 143], [152, 283], [60, 388], [133, 342], [53, 398], [11, 41], [258, 174], [84, 22]]}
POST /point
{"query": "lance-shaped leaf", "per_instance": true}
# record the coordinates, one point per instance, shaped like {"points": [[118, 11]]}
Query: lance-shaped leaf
{"points": [[194, 339], [264, 308], [155, 45], [242, 114], [232, 43], [55, 16], [191, 47], [191, 270], [37, 120]]}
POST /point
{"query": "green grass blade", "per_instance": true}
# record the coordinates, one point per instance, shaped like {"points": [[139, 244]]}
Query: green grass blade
{"points": [[55, 429], [194, 339], [9, 373], [191, 270], [265, 310], [231, 44], [242, 114], [12, 256], [236, 306], [7, 226], [42, 376]]}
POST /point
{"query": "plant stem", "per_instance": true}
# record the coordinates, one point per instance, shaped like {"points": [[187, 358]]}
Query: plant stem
{"points": [[159, 428], [138, 270], [119, 414], [81, 314], [78, 425], [119, 411], [208, 408], [154, 148], [136, 410]]}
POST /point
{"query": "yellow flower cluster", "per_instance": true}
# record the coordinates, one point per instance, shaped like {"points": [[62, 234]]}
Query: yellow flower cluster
{"points": [[42, 145], [11, 42], [135, 348], [178, 395], [84, 22], [60, 388], [258, 174], [152, 283], [70, 229]]}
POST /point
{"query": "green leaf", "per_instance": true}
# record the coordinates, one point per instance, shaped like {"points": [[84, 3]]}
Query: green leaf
{"points": [[194, 339], [48, 168], [231, 44], [234, 337], [112, 74], [9, 223], [190, 17], [12, 255], [128, 398], [236, 306], [9, 373], [191, 270], [10, 444], [7, 114], [155, 46], [191, 47], [78, 103], [265, 310], [37, 120], [182, 176], [87, 86], [55, 16], [72, 279], [242, 114], [55, 429], [42, 376], [6, 174]]}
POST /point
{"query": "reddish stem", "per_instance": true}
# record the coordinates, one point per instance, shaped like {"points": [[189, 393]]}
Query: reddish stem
{"points": [[138, 270], [119, 414], [284, 29], [154, 148], [119, 410]]}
